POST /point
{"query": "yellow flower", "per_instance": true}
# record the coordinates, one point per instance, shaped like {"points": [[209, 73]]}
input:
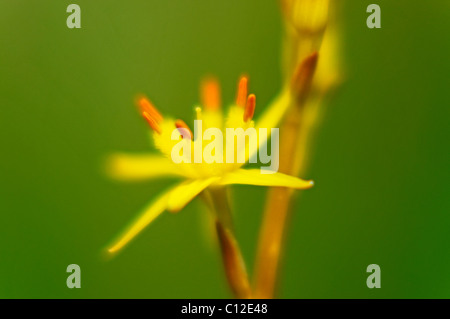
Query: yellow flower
{"points": [[199, 176]]}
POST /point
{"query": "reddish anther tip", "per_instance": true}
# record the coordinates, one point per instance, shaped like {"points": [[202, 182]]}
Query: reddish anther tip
{"points": [[242, 91], [180, 124], [152, 122], [250, 108], [210, 94], [147, 107]]}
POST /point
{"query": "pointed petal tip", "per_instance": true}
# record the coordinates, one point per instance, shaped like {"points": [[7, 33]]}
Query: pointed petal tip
{"points": [[112, 250], [149, 214], [115, 246], [306, 184]]}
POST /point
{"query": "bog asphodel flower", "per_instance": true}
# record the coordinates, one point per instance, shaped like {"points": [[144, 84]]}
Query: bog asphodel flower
{"points": [[168, 133]]}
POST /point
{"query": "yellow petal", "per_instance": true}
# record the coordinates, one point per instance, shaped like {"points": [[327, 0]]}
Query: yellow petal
{"points": [[212, 118], [164, 141], [235, 118], [254, 177], [141, 166], [145, 218], [275, 112], [185, 192]]}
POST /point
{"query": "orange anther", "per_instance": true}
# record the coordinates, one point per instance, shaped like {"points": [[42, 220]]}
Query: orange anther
{"points": [[250, 108], [180, 124], [147, 107], [210, 94], [242, 91], [152, 122]]}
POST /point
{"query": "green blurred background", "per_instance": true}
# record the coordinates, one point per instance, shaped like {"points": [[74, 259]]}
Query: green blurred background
{"points": [[380, 159]]}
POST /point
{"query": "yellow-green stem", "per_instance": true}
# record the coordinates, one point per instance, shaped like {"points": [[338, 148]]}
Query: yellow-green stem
{"points": [[279, 199], [276, 214]]}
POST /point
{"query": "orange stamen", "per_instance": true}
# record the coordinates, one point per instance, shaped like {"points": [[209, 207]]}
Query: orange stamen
{"points": [[242, 91], [152, 122], [180, 124], [250, 108], [210, 94], [147, 107]]}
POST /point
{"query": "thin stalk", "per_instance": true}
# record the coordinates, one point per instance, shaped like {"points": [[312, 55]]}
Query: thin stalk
{"points": [[233, 262], [305, 25], [276, 215], [278, 204]]}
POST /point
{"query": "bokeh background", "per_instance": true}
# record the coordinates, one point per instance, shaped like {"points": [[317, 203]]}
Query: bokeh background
{"points": [[380, 159]]}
